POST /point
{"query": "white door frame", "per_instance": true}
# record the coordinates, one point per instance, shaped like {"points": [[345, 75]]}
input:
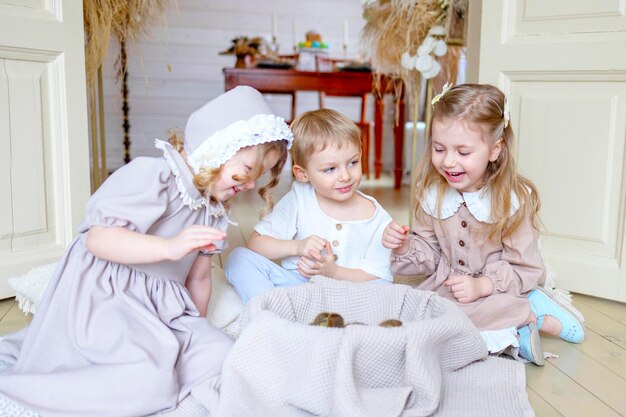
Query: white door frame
{"points": [[44, 167]]}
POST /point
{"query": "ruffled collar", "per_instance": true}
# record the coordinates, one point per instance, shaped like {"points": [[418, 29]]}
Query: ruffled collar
{"points": [[478, 203], [224, 144], [184, 181]]}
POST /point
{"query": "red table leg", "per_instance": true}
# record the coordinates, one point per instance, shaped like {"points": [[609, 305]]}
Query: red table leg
{"points": [[379, 110], [398, 142]]}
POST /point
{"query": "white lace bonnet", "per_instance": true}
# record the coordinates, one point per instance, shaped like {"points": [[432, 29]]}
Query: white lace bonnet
{"points": [[236, 119]]}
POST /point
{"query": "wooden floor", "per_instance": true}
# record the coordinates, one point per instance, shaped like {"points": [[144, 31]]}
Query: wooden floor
{"points": [[587, 380]]}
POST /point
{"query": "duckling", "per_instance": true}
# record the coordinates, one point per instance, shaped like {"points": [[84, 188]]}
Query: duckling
{"points": [[328, 320], [391, 323]]}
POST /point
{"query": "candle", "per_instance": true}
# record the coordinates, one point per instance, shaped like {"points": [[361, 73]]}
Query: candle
{"points": [[293, 34], [274, 26], [345, 33]]}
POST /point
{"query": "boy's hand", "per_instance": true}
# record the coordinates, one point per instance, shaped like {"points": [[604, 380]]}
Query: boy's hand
{"points": [[311, 247], [318, 265], [193, 238], [395, 237], [467, 289]]}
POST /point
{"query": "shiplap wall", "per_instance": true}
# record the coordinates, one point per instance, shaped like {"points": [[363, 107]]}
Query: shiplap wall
{"points": [[177, 68]]}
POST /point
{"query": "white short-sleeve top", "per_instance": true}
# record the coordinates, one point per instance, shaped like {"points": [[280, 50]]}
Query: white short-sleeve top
{"points": [[357, 244]]}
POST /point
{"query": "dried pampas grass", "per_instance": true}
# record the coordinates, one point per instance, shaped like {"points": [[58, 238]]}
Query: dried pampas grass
{"points": [[397, 26], [394, 27], [126, 20]]}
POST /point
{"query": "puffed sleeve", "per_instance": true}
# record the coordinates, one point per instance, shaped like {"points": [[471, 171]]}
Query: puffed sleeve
{"points": [[135, 196], [281, 223], [376, 259], [424, 251], [521, 268]]}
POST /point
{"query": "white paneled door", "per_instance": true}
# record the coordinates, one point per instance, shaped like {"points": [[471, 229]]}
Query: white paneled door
{"points": [[44, 158], [563, 64]]}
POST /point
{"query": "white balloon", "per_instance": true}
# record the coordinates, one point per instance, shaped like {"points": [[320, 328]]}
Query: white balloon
{"points": [[407, 61], [427, 46], [437, 30], [440, 48], [414, 62], [424, 63], [433, 71]]}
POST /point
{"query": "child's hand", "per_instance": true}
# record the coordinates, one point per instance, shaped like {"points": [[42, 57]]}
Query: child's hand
{"points": [[467, 289], [319, 264], [395, 237], [311, 247], [193, 238]]}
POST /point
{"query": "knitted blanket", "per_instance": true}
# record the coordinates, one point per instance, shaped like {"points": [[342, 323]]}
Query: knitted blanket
{"points": [[434, 364]]}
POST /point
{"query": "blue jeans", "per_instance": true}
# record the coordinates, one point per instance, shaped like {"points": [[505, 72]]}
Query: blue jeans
{"points": [[252, 274]]}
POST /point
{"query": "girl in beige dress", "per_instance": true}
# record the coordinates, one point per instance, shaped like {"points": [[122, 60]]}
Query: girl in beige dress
{"points": [[475, 232]]}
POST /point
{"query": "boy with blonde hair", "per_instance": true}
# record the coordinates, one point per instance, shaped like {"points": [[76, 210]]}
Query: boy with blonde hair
{"points": [[323, 225]]}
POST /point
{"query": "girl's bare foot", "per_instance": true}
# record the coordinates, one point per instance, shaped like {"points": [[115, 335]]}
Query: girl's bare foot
{"points": [[555, 318], [551, 325]]}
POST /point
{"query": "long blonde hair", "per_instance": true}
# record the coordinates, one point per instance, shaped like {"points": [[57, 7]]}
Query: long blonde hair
{"points": [[482, 106], [205, 179]]}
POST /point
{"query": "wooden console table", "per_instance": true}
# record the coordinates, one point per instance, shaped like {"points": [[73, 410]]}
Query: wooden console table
{"points": [[345, 83]]}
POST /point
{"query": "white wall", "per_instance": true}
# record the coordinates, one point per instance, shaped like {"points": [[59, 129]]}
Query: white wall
{"points": [[178, 69]]}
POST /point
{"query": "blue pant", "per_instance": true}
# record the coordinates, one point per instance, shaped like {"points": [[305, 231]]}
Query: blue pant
{"points": [[252, 274]]}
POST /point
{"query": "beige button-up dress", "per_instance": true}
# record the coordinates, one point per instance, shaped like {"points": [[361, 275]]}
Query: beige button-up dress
{"points": [[459, 244]]}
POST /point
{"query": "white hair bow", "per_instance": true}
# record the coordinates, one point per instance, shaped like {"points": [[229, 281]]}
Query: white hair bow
{"points": [[506, 115], [445, 89]]}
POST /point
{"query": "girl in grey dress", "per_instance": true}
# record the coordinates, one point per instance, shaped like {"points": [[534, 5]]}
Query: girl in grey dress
{"points": [[120, 330]]}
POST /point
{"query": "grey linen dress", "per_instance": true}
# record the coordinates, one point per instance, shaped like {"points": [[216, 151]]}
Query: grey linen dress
{"points": [[120, 340], [459, 245]]}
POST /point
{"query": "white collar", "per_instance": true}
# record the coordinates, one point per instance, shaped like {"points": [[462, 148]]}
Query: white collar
{"points": [[478, 203], [188, 193]]}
